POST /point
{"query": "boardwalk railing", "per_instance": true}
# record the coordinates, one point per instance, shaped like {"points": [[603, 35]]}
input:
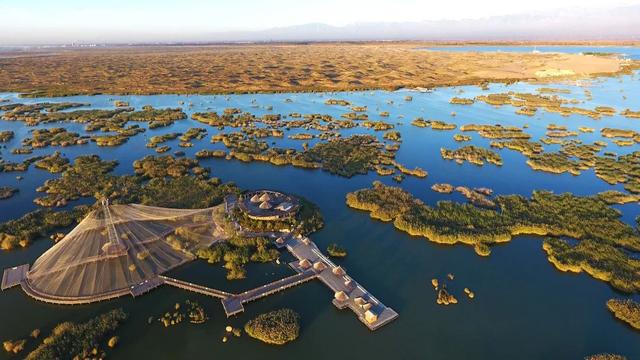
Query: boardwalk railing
{"points": [[276, 286], [200, 289]]}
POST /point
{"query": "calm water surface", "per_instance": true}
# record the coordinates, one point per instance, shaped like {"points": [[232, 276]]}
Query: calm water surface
{"points": [[631, 52], [524, 308]]}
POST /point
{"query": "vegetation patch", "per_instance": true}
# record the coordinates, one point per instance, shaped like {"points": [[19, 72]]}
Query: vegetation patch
{"points": [[473, 154], [588, 219], [7, 192], [36, 224], [625, 310], [70, 340], [53, 163], [442, 188], [526, 147], [497, 131], [275, 327], [336, 250], [53, 137], [83, 179], [434, 124], [603, 261], [6, 135], [605, 356], [238, 251], [6, 166], [461, 101], [357, 154], [162, 166]]}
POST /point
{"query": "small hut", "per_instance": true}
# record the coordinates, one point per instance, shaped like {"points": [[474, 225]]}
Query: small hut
{"points": [[338, 271], [306, 240], [366, 306], [265, 205], [370, 316], [341, 296], [348, 283], [280, 240], [304, 263], [255, 198], [319, 266], [265, 197], [359, 301]]}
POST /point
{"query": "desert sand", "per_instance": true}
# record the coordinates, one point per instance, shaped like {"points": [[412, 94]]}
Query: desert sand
{"points": [[281, 68]]}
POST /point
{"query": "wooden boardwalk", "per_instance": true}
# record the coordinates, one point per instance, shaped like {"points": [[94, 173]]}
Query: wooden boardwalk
{"points": [[276, 286], [233, 303], [200, 289]]}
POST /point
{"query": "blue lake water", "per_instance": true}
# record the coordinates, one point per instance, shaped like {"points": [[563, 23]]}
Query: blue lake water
{"points": [[631, 52], [524, 308]]}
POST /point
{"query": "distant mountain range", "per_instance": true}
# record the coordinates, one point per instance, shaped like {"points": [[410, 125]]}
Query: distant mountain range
{"points": [[618, 23], [566, 24]]}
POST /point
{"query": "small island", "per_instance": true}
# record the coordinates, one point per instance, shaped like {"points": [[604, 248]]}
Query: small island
{"points": [[7, 192], [336, 250], [276, 327]]}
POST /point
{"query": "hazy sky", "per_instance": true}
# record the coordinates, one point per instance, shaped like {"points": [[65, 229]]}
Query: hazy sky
{"points": [[51, 21]]}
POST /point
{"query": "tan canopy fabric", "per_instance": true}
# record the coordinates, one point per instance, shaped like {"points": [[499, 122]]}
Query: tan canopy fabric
{"points": [[111, 253]]}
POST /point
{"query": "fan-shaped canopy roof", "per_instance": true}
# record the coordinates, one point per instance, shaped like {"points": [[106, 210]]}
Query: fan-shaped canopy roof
{"points": [[118, 247]]}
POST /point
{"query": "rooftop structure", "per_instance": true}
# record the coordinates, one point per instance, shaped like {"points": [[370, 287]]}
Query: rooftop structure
{"points": [[268, 205], [115, 250]]}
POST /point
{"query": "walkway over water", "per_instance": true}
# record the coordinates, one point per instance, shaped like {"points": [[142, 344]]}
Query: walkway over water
{"points": [[233, 305], [347, 292], [310, 264], [200, 289]]}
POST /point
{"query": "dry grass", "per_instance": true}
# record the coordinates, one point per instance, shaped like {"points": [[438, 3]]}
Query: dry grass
{"points": [[274, 68]]}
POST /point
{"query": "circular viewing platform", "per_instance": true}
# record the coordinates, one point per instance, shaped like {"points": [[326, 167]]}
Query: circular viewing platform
{"points": [[268, 205]]}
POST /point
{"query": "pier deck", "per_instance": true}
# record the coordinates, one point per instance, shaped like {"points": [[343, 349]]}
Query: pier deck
{"points": [[14, 276], [359, 300]]}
